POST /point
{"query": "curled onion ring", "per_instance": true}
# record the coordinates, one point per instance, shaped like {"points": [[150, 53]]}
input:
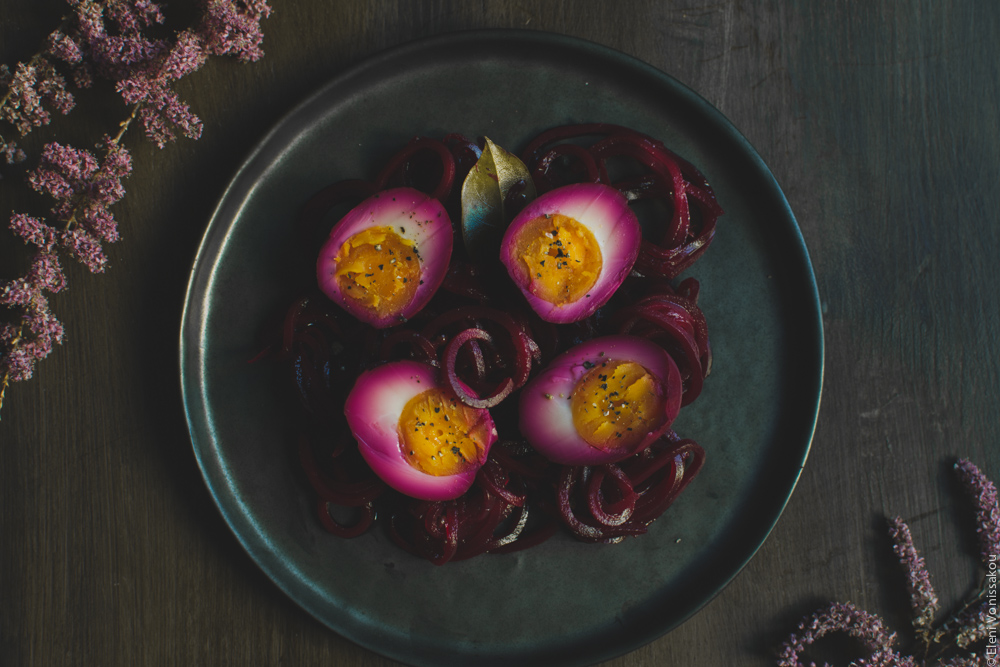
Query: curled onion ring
{"points": [[499, 393], [399, 162], [620, 512], [362, 523], [522, 343]]}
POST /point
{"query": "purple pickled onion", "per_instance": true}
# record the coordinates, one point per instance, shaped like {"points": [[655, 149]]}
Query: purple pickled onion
{"points": [[619, 512], [360, 526], [399, 161], [502, 390]]}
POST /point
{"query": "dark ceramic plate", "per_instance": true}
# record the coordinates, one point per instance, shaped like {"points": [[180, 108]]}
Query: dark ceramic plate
{"points": [[563, 603]]}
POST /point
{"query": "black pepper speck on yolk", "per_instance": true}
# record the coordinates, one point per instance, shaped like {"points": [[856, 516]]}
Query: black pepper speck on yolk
{"points": [[379, 269], [560, 256], [440, 435], [616, 404]]}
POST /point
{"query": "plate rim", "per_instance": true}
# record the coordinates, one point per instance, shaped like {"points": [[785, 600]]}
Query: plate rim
{"points": [[248, 173]]}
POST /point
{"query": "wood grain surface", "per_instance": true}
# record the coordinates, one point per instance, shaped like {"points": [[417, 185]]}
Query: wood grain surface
{"points": [[879, 120]]}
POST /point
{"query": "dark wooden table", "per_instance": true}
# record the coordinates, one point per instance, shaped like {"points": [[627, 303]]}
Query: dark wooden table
{"points": [[878, 119]]}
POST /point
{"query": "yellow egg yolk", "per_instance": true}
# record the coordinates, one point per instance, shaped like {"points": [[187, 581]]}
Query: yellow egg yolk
{"points": [[616, 404], [379, 269], [440, 435], [561, 257]]}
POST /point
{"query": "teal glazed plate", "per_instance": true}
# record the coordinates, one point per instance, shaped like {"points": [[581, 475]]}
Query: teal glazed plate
{"points": [[563, 602]]}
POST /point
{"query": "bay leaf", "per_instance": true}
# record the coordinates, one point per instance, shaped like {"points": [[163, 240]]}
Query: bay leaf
{"points": [[497, 188]]}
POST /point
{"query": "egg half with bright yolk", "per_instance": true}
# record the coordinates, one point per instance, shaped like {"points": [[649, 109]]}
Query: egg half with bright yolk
{"points": [[570, 249], [601, 401], [415, 433], [385, 259]]}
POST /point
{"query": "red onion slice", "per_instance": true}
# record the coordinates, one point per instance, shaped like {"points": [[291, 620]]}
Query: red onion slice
{"points": [[461, 390], [361, 524], [398, 162], [602, 513]]}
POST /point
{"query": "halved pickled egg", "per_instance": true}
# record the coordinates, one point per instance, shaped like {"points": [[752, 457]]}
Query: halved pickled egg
{"points": [[385, 259], [415, 433], [570, 249], [601, 401]]}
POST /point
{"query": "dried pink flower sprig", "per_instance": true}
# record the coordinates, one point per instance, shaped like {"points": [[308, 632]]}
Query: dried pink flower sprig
{"points": [[846, 618], [923, 599], [978, 618], [33, 89], [84, 190], [11, 152], [233, 28], [984, 496], [973, 623], [38, 330], [143, 68], [106, 40]]}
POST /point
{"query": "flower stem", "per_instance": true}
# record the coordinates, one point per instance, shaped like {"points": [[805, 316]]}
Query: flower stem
{"points": [[6, 376], [124, 125], [3, 389]]}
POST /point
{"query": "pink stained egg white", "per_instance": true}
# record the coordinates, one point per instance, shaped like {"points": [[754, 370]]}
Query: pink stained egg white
{"points": [[601, 401], [386, 258], [415, 434], [570, 249]]}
